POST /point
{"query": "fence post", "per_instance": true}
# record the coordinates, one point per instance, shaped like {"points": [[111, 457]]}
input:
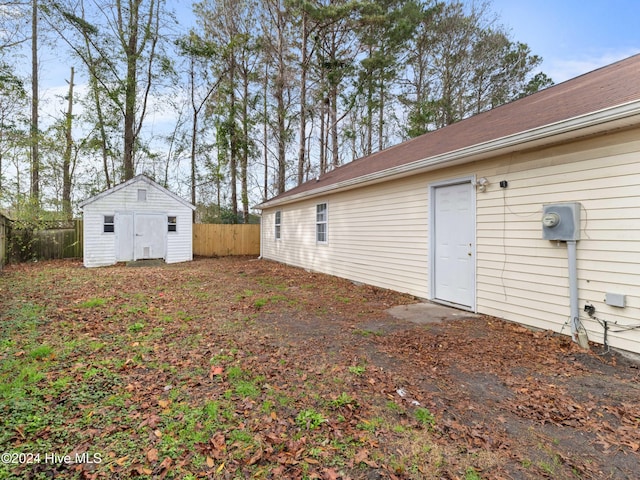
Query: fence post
{"points": [[79, 246], [4, 227]]}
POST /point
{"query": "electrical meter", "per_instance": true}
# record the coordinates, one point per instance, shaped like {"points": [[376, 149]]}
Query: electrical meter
{"points": [[551, 219], [561, 221]]}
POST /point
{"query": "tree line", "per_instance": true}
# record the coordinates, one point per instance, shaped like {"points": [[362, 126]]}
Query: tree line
{"points": [[254, 97]]}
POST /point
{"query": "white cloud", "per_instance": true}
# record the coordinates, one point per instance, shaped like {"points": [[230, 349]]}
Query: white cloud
{"points": [[560, 69]]}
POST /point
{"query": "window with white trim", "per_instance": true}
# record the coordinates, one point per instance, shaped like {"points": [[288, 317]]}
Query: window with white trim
{"points": [[278, 224], [321, 223], [109, 224], [172, 224], [142, 195]]}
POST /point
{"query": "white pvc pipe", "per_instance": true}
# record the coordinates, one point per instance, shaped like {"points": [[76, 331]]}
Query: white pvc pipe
{"points": [[573, 288]]}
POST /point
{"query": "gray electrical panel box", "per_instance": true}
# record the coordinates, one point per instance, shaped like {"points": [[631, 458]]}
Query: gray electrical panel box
{"points": [[561, 221]]}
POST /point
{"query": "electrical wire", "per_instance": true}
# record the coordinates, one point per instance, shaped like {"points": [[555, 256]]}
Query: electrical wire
{"points": [[607, 329]]}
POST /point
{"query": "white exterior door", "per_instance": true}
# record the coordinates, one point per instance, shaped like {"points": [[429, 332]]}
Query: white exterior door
{"points": [[150, 235], [453, 235], [124, 236]]}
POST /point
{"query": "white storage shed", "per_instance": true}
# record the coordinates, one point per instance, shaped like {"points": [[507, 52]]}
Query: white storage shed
{"points": [[137, 220]]}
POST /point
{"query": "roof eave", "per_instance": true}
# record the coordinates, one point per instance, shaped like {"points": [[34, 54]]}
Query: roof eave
{"points": [[601, 121]]}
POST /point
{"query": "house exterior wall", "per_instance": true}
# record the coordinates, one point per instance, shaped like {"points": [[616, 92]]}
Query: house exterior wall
{"points": [[379, 235], [100, 247], [376, 235]]}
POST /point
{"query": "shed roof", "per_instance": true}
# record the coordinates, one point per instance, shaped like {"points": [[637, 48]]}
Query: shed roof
{"points": [[138, 178], [606, 98]]}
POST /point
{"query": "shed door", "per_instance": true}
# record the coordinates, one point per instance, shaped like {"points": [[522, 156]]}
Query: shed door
{"points": [[454, 244], [150, 235], [124, 236]]}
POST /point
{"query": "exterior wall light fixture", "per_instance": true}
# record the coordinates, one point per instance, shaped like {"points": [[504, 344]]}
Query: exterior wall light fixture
{"points": [[481, 184]]}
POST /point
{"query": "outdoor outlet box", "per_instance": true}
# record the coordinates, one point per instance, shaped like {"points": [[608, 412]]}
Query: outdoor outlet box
{"points": [[561, 221], [614, 299]]}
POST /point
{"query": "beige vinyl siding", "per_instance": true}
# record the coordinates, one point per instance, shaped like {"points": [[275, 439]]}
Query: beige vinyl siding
{"points": [[376, 235], [379, 234], [525, 279]]}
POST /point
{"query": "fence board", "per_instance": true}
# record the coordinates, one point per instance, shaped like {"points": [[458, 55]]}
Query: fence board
{"points": [[212, 240], [46, 244], [59, 243], [4, 237]]}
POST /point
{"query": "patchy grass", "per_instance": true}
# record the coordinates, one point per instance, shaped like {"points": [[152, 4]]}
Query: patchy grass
{"points": [[93, 303], [129, 378], [234, 368]]}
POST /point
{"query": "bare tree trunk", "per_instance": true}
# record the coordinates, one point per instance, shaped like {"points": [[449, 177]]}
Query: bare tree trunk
{"points": [[381, 117], [134, 39], [68, 153], [369, 103], [131, 51], [103, 137], [194, 136], [233, 142], [35, 141], [281, 113], [335, 161], [244, 157], [323, 143], [303, 100], [265, 133]]}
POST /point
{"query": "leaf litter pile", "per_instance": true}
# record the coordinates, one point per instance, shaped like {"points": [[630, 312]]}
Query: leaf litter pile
{"points": [[242, 368]]}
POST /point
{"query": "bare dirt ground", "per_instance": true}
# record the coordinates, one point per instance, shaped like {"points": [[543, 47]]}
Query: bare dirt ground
{"points": [[535, 400], [465, 398]]}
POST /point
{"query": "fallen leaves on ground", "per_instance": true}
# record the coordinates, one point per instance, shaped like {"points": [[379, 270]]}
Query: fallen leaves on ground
{"points": [[235, 367]]}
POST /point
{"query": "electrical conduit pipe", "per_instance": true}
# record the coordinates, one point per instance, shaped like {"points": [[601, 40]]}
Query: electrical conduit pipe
{"points": [[578, 333]]}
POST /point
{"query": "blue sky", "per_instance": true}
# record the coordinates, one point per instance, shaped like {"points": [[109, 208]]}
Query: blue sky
{"points": [[573, 36]]}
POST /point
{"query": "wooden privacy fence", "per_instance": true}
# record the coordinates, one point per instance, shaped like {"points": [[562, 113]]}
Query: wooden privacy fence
{"points": [[212, 240], [59, 242], [64, 241], [4, 239], [209, 240]]}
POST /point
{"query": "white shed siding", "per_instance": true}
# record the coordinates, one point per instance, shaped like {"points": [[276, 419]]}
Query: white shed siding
{"points": [[379, 234], [100, 247], [180, 242]]}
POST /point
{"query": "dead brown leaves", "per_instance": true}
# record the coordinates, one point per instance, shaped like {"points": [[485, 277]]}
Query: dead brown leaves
{"points": [[507, 401]]}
